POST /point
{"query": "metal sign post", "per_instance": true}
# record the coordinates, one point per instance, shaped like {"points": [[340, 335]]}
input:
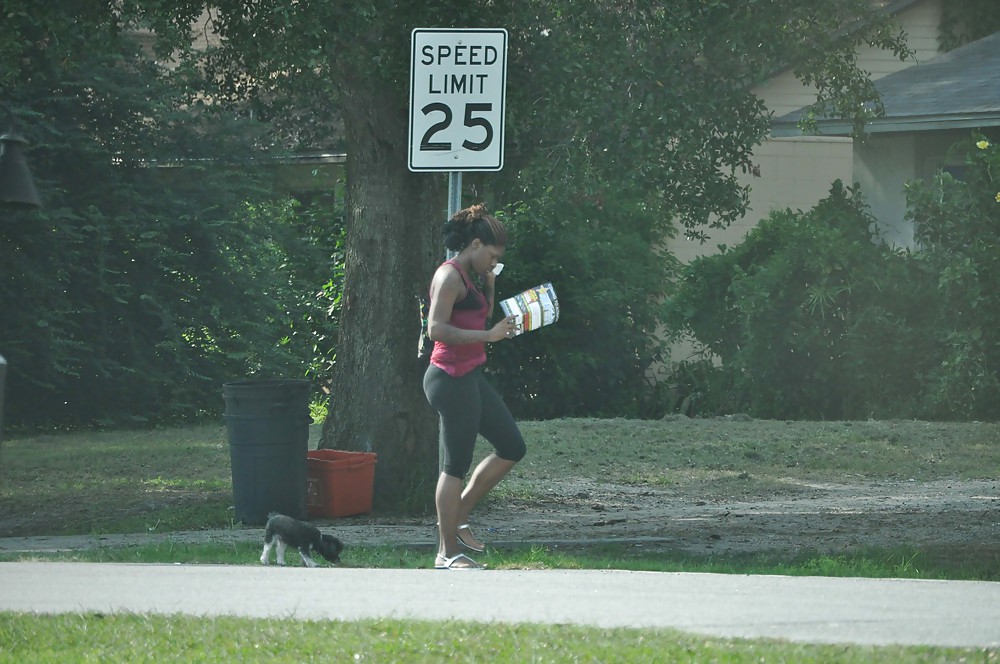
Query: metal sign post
{"points": [[454, 203]]}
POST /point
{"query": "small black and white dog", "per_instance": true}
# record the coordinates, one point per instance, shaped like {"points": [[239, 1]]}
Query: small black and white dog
{"points": [[288, 532]]}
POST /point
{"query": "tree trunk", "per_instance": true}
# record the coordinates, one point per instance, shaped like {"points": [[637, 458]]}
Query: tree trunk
{"points": [[393, 243]]}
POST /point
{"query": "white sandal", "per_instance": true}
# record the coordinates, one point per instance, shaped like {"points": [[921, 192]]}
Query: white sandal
{"points": [[461, 541], [440, 562]]}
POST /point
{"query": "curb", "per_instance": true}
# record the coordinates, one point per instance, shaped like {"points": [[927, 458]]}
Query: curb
{"points": [[415, 536]]}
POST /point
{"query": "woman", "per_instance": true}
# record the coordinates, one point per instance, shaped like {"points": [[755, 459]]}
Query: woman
{"points": [[454, 381]]}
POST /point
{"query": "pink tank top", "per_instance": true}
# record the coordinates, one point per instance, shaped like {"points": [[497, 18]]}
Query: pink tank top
{"points": [[469, 313]]}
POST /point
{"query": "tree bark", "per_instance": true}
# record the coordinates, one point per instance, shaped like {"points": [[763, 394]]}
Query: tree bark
{"points": [[393, 243]]}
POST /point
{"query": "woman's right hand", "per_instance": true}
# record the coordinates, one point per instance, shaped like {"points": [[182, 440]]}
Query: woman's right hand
{"points": [[505, 329]]}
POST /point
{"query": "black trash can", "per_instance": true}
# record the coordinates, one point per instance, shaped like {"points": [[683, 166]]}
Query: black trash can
{"points": [[267, 423]]}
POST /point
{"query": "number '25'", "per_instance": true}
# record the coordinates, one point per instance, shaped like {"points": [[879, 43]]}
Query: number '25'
{"points": [[471, 120]]}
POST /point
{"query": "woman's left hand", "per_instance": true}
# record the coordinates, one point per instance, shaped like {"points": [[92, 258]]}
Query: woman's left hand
{"points": [[505, 329]]}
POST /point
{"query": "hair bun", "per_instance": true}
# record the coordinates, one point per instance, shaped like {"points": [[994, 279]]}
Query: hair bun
{"points": [[470, 223]]}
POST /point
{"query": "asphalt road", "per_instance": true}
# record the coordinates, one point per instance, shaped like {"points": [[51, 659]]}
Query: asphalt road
{"points": [[804, 609]]}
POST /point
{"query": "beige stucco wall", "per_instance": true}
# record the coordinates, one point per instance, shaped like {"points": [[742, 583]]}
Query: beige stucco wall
{"points": [[798, 172], [794, 173], [883, 165], [783, 93]]}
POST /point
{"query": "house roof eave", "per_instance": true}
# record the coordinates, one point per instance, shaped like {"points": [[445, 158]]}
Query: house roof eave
{"points": [[893, 124], [954, 90]]}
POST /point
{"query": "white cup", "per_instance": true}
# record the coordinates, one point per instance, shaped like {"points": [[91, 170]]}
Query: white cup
{"points": [[498, 269]]}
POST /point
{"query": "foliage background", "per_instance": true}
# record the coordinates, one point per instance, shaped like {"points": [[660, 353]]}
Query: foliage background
{"points": [[812, 317], [131, 297], [614, 149], [159, 266], [958, 228]]}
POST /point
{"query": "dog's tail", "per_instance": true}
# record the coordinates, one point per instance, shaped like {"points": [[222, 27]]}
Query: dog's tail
{"points": [[269, 527]]}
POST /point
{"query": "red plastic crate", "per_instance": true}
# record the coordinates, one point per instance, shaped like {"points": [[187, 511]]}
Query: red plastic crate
{"points": [[339, 483]]}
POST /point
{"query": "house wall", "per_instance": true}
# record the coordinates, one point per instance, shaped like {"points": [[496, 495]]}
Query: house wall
{"points": [[883, 164], [794, 173], [797, 172], [920, 23]]}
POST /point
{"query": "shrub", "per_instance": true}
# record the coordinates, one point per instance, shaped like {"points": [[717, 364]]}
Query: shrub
{"points": [[809, 317], [138, 289], [957, 224], [600, 253]]}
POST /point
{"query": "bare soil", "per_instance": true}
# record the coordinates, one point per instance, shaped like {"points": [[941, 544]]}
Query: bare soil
{"points": [[954, 518], [957, 518], [952, 515]]}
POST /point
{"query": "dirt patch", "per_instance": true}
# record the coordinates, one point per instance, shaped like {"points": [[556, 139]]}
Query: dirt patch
{"points": [[705, 487], [955, 518], [822, 517]]}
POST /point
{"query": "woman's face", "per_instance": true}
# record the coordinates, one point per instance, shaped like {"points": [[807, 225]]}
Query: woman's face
{"points": [[485, 256]]}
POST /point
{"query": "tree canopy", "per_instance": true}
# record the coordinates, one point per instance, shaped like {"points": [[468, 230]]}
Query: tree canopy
{"points": [[157, 267], [627, 123]]}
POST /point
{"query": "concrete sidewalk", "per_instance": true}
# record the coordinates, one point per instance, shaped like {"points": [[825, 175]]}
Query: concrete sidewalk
{"points": [[803, 609], [806, 609]]}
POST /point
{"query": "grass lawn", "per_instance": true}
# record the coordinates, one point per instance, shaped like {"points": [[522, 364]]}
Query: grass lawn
{"points": [[179, 479], [132, 638]]}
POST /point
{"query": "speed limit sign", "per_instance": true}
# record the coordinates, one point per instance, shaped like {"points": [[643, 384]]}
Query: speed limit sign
{"points": [[458, 82]]}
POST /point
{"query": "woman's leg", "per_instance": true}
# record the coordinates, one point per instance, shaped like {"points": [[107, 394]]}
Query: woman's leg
{"points": [[447, 499], [487, 475], [498, 427], [458, 403]]}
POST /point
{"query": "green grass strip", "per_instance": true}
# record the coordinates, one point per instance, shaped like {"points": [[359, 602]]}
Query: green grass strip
{"points": [[139, 638], [871, 563]]}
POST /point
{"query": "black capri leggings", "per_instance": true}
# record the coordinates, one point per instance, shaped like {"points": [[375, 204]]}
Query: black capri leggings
{"points": [[469, 406]]}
